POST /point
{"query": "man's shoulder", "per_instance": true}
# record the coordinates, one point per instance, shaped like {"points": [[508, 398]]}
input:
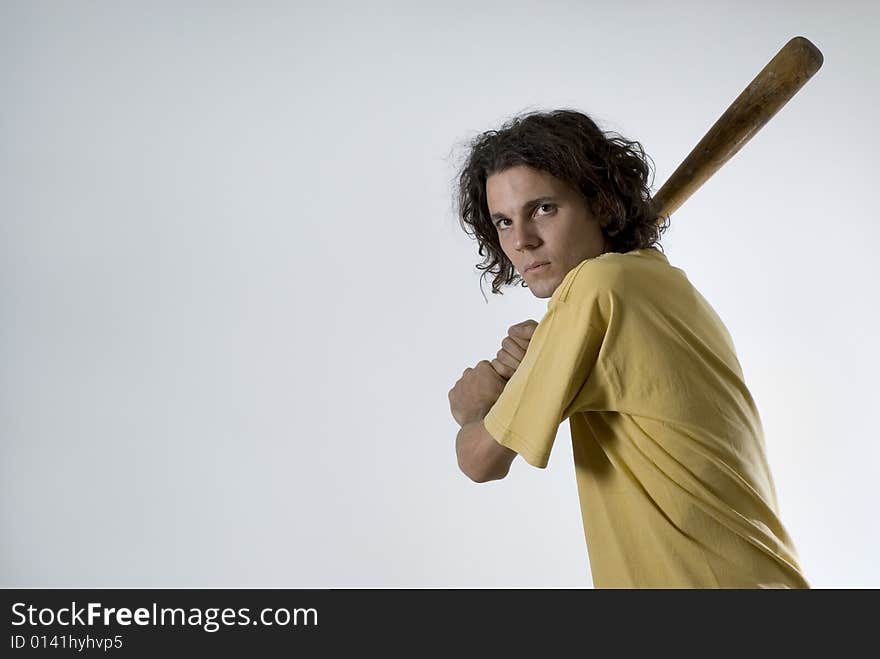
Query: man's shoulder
{"points": [[612, 272]]}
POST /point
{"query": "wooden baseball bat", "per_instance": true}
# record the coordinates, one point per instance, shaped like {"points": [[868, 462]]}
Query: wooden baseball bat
{"points": [[772, 88]]}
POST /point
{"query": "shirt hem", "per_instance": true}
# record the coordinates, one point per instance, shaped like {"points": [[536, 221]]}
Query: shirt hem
{"points": [[508, 438]]}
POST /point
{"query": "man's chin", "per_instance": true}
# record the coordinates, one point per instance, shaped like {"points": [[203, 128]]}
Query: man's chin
{"points": [[542, 284], [542, 289]]}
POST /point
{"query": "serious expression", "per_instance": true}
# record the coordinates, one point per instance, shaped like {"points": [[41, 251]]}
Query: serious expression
{"points": [[544, 225]]}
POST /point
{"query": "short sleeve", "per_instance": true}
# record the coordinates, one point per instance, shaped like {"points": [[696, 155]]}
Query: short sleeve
{"points": [[542, 392]]}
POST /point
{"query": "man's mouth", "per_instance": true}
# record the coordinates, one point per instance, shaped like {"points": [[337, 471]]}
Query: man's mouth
{"points": [[536, 266]]}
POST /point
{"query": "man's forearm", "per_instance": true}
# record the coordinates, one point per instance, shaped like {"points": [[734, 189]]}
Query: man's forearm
{"points": [[480, 457]]}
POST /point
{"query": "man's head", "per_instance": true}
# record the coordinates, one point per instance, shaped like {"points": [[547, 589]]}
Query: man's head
{"points": [[544, 226], [551, 187]]}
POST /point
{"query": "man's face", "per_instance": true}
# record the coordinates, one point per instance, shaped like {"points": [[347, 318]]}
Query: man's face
{"points": [[541, 220]]}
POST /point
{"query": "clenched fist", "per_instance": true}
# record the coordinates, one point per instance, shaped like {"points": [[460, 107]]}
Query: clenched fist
{"points": [[513, 348], [475, 393]]}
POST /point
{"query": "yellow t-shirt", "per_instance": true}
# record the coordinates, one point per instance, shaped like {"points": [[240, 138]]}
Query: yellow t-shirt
{"points": [[672, 475]]}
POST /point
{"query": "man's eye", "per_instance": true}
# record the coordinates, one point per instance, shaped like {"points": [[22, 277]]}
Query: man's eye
{"points": [[547, 205]]}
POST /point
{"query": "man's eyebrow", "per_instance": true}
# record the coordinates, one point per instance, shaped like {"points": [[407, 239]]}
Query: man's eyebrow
{"points": [[529, 203]]}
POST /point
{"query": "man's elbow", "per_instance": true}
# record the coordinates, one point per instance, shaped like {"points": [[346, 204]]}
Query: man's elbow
{"points": [[483, 474], [483, 478], [480, 457]]}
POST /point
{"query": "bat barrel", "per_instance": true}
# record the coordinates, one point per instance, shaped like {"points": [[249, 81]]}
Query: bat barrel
{"points": [[772, 88]]}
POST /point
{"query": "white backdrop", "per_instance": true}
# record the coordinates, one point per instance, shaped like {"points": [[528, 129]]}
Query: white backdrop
{"points": [[234, 292]]}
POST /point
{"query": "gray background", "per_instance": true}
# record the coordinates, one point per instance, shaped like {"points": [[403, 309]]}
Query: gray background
{"points": [[234, 293]]}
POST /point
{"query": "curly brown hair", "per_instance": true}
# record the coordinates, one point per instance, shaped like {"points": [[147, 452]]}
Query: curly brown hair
{"points": [[610, 171]]}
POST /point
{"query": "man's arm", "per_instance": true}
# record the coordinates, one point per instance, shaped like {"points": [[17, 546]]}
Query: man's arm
{"points": [[480, 457], [470, 400]]}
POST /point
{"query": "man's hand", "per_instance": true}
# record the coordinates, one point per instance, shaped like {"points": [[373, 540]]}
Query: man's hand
{"points": [[475, 392], [513, 348]]}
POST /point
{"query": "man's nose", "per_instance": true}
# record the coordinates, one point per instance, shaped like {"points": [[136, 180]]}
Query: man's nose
{"points": [[524, 236]]}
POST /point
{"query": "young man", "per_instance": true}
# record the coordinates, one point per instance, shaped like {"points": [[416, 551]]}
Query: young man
{"points": [[672, 475]]}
